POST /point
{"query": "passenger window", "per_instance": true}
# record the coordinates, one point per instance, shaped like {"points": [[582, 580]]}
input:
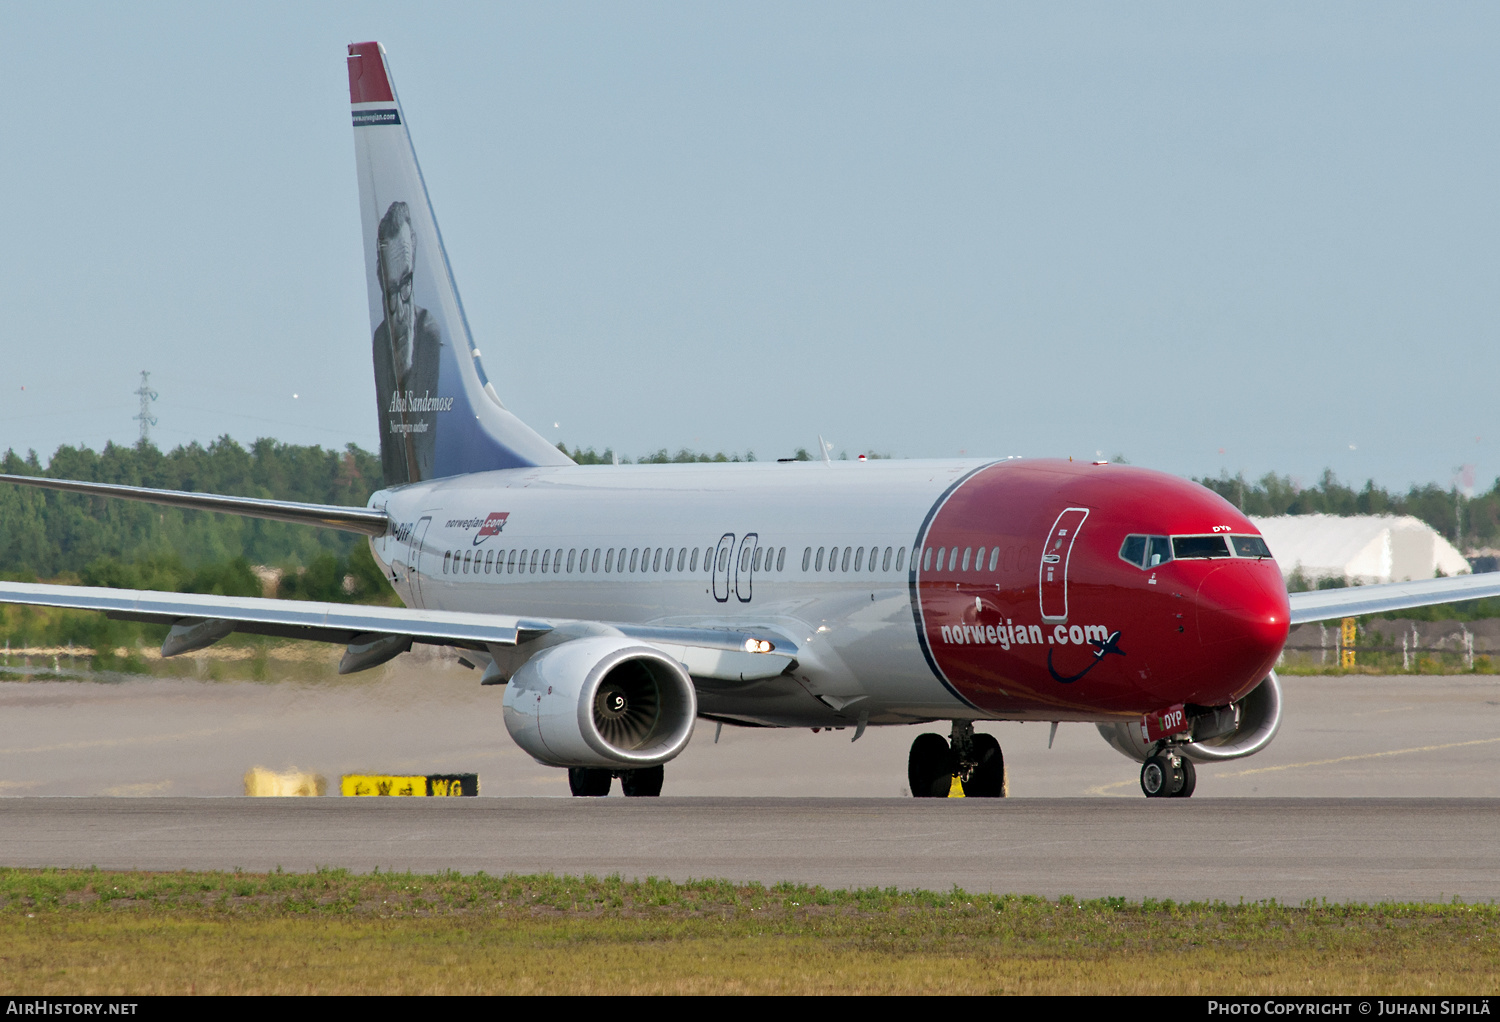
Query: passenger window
{"points": [[979, 559], [1199, 546], [671, 552], [681, 558], [489, 561], [609, 559], [755, 564], [546, 556], [724, 559], [1250, 546], [885, 563], [859, 556], [900, 555], [655, 561], [845, 565], [693, 564], [781, 559], [927, 559], [572, 557], [557, 561], [467, 555], [953, 560], [447, 557], [510, 564], [994, 558], [634, 558], [967, 551], [819, 565], [806, 557]]}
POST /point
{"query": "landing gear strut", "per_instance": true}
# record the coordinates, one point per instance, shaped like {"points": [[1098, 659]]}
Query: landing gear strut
{"points": [[973, 759], [594, 782], [1165, 774]]}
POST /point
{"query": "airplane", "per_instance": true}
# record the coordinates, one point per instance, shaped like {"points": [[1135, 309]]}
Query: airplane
{"points": [[620, 605]]}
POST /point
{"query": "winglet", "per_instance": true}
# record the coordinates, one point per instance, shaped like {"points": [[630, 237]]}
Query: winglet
{"points": [[368, 82]]}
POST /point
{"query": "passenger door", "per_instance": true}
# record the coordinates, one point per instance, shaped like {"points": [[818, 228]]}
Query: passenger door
{"points": [[1053, 571], [414, 560]]}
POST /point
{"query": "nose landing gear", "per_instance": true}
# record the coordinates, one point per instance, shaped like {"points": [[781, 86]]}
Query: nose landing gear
{"points": [[973, 759], [1165, 774]]}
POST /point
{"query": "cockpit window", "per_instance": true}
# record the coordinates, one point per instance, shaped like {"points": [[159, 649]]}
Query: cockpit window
{"points": [[1250, 546], [1146, 551], [1199, 546]]}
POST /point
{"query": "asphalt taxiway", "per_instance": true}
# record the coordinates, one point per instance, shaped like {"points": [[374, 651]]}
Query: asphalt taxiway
{"points": [[1376, 788], [1199, 849]]}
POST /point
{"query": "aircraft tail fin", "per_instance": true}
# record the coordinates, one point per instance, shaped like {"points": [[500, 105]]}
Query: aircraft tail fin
{"points": [[439, 412]]}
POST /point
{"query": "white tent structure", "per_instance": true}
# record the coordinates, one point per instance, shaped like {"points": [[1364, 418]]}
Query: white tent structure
{"points": [[1360, 549]]}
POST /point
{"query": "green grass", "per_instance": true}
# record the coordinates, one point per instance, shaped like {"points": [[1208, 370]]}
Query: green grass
{"points": [[85, 931]]}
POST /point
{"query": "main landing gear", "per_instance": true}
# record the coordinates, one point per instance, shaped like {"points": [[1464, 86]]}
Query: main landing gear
{"points": [[971, 760], [594, 782], [1165, 774]]}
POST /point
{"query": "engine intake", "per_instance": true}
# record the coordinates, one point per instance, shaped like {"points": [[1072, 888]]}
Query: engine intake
{"points": [[601, 702], [1224, 732]]}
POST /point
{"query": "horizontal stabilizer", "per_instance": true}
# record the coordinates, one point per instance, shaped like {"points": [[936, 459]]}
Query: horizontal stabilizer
{"points": [[367, 521]]}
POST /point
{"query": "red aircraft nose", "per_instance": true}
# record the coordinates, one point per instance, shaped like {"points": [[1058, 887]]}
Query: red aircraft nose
{"points": [[1243, 616]]}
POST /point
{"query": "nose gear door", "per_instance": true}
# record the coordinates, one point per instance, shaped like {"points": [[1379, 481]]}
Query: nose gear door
{"points": [[1053, 572]]}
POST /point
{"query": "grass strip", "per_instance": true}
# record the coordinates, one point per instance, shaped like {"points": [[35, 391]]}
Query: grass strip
{"points": [[332, 931]]}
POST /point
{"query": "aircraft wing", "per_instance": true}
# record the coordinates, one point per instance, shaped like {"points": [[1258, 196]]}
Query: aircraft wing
{"points": [[1324, 604], [376, 634]]}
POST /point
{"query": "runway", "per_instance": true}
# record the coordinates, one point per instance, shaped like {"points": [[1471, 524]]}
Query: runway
{"points": [[1200, 849]]}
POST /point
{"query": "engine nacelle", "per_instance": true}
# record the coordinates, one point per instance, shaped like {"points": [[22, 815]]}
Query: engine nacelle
{"points": [[1217, 736], [601, 702]]}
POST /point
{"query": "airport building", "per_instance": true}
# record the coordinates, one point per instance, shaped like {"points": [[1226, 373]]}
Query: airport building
{"points": [[1359, 549]]}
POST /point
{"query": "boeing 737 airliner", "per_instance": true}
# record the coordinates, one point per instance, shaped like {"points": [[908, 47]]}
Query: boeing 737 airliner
{"points": [[620, 605]]}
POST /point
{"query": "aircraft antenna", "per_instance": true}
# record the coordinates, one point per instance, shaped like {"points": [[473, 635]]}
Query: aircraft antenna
{"points": [[147, 395]]}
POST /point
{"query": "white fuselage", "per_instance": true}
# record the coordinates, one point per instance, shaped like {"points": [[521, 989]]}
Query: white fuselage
{"points": [[705, 545]]}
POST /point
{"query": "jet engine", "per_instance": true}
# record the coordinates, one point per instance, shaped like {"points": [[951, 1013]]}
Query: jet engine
{"points": [[601, 702], [1219, 733]]}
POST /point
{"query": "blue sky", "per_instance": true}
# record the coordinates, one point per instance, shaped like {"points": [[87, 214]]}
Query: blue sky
{"points": [[1207, 236]]}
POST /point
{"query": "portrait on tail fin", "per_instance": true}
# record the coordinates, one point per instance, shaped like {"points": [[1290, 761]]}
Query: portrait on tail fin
{"points": [[407, 344]]}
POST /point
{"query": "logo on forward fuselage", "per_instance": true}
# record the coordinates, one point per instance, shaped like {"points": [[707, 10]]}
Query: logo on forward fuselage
{"points": [[1100, 638], [1008, 634]]}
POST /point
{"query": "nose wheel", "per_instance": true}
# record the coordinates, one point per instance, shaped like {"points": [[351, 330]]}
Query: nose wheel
{"points": [[1168, 775], [974, 761]]}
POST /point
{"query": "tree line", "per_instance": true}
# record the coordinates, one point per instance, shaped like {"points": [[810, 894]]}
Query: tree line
{"points": [[1463, 521]]}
